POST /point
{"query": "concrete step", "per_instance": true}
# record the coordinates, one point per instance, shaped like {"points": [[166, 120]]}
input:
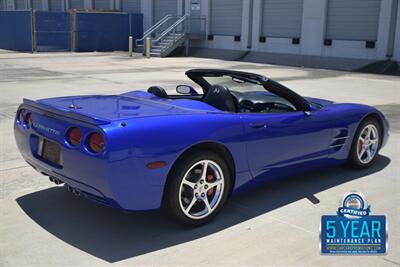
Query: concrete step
{"points": [[158, 47], [174, 36]]}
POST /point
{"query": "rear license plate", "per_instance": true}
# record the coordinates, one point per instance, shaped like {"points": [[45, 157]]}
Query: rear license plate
{"points": [[50, 151]]}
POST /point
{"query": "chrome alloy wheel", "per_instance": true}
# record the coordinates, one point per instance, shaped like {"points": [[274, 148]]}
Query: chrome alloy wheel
{"points": [[201, 189], [367, 144]]}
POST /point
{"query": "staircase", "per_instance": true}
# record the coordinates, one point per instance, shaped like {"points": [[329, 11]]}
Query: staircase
{"points": [[166, 35], [168, 44]]}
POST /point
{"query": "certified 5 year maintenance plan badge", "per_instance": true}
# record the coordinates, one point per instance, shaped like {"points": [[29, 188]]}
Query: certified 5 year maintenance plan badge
{"points": [[353, 230]]}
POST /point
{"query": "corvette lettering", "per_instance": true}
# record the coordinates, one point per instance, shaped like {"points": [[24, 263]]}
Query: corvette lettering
{"points": [[46, 129]]}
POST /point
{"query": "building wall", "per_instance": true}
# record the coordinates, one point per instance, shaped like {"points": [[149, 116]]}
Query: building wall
{"points": [[132, 6], [313, 33], [272, 44], [222, 40], [150, 14], [313, 30]]}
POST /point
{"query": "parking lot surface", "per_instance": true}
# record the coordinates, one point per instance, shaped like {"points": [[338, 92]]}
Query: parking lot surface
{"points": [[276, 224]]}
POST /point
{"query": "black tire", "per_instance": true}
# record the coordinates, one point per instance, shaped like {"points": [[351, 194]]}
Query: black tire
{"points": [[171, 202], [353, 160]]}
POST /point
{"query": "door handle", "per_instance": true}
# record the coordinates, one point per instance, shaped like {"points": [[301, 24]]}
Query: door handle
{"points": [[258, 125]]}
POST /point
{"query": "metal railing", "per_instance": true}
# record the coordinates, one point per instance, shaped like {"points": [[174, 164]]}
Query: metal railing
{"points": [[153, 29], [163, 36], [180, 26]]}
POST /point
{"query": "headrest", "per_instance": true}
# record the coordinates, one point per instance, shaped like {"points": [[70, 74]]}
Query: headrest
{"points": [[158, 91]]}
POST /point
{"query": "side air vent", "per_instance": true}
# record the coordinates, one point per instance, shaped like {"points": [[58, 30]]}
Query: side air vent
{"points": [[339, 139]]}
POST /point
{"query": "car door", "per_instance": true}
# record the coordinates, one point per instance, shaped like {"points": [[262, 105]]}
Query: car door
{"points": [[276, 142]]}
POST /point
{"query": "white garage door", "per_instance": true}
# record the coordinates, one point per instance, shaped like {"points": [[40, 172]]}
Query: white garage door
{"points": [[226, 17], [353, 20], [101, 4], [165, 7], [282, 18], [131, 6], [76, 4]]}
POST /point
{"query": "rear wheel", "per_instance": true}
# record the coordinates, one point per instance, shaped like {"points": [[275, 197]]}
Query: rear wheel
{"points": [[366, 144], [198, 188]]}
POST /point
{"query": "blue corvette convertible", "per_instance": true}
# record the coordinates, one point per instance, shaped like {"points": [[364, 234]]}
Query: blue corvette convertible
{"points": [[186, 153]]}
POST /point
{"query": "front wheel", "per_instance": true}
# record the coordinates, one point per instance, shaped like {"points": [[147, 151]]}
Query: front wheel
{"points": [[366, 144], [197, 188]]}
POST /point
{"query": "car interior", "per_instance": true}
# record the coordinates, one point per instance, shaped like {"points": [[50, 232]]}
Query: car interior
{"points": [[231, 93]]}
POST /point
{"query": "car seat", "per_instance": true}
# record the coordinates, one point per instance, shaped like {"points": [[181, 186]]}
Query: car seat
{"points": [[219, 97]]}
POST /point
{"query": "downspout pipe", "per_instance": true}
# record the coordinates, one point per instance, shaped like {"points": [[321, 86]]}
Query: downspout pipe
{"points": [[392, 29], [250, 29]]}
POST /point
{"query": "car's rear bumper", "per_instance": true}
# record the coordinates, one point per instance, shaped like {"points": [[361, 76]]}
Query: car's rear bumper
{"points": [[79, 188], [110, 180]]}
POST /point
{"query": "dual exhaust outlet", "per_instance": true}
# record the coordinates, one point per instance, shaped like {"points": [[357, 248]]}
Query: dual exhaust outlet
{"points": [[70, 189], [55, 180]]}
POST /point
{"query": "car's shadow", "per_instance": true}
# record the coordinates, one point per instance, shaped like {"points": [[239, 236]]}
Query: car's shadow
{"points": [[114, 236]]}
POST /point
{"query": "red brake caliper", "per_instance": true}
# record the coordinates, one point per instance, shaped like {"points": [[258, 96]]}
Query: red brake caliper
{"points": [[210, 178]]}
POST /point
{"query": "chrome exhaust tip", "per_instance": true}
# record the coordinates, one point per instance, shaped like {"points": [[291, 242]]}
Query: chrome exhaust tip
{"points": [[55, 180], [58, 182]]}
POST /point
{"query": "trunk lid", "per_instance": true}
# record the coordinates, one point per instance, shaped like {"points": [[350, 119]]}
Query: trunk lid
{"points": [[101, 109]]}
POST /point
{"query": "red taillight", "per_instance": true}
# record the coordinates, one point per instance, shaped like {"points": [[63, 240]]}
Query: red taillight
{"points": [[95, 142], [29, 120], [21, 117], [74, 136]]}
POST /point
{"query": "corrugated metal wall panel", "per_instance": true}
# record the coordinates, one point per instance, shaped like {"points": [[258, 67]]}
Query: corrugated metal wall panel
{"points": [[282, 18], [226, 17], [165, 7], [76, 4], [55, 5], [353, 19], [37, 4], [101, 4], [132, 6]]}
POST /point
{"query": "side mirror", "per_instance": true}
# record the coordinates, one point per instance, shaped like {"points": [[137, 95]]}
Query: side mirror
{"points": [[309, 109], [185, 90]]}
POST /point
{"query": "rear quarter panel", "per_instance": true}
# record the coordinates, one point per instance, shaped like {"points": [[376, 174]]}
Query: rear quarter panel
{"points": [[165, 138]]}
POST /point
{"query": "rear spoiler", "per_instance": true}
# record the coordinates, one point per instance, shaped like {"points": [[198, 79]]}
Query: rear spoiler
{"points": [[63, 112]]}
